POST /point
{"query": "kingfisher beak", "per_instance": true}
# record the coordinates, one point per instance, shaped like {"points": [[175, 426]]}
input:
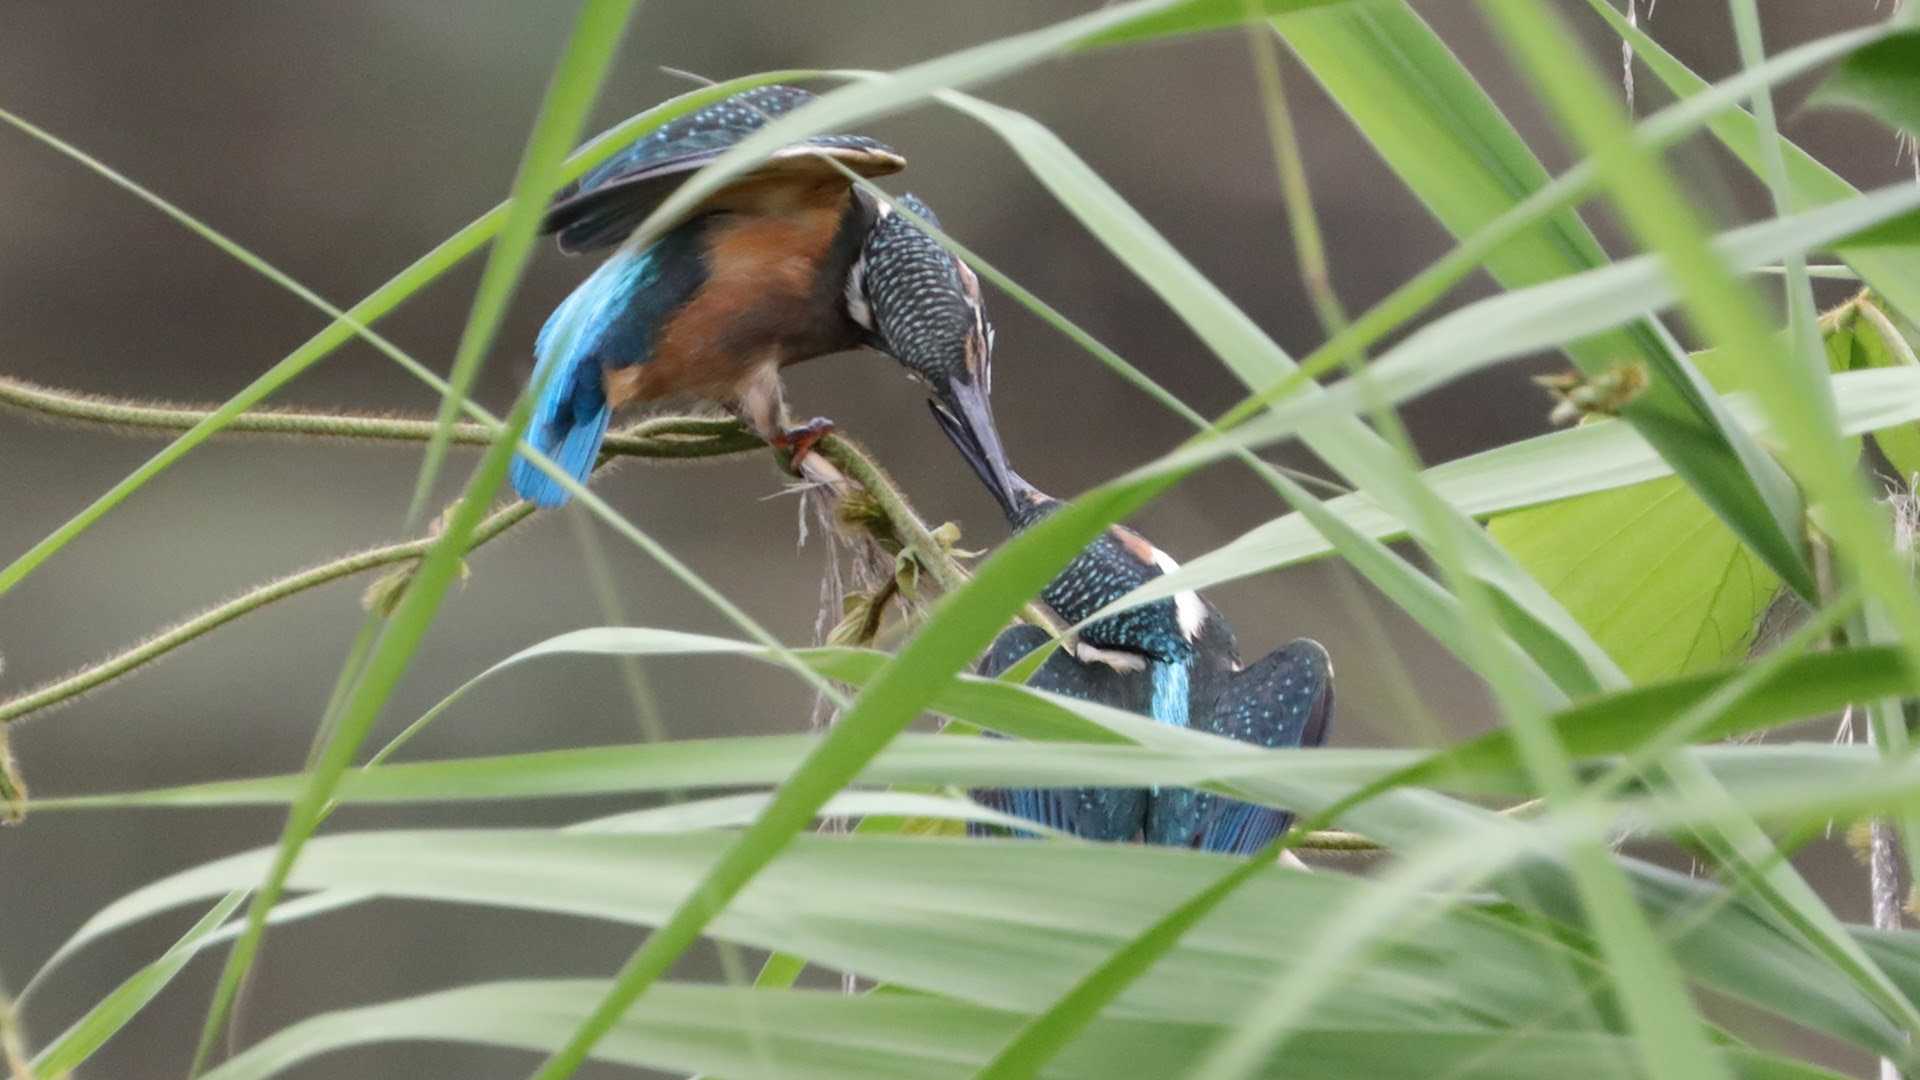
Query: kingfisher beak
{"points": [[965, 413]]}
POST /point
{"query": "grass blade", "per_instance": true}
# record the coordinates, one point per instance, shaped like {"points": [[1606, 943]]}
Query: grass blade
{"points": [[583, 66]]}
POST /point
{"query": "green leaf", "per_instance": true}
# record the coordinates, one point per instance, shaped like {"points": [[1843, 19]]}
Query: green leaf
{"points": [[576, 82], [1889, 263], [1650, 571], [1882, 79], [1447, 141], [949, 916], [814, 1035], [90, 1032]]}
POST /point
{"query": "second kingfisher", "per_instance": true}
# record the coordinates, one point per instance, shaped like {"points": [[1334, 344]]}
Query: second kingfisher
{"points": [[785, 263]]}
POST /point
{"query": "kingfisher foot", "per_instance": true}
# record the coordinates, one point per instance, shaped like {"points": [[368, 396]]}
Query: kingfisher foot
{"points": [[798, 442]]}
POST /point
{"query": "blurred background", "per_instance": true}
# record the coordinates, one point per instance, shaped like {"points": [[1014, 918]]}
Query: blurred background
{"points": [[340, 141]]}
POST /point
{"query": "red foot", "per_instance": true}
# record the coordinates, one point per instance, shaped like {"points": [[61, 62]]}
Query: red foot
{"points": [[799, 441]]}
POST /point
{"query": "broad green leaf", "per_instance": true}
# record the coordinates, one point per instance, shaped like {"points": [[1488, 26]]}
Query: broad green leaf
{"points": [[1650, 571], [813, 1035], [1882, 79]]}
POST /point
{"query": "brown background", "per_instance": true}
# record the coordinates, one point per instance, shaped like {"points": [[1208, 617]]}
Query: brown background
{"points": [[339, 141]]}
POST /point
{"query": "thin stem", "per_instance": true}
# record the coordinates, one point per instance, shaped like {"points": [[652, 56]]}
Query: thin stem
{"points": [[13, 789], [89, 678], [1309, 245], [664, 437]]}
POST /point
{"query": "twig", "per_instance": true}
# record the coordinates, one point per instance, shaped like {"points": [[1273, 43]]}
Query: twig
{"points": [[664, 437]]}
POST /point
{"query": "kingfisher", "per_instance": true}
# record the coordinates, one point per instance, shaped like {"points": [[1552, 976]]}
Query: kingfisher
{"points": [[786, 263], [1175, 660]]}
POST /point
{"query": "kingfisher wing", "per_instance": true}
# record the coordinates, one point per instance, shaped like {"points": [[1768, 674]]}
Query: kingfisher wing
{"points": [[1092, 813], [604, 206], [1284, 700]]}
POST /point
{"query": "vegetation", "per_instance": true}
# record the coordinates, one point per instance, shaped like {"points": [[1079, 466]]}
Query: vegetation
{"points": [[1611, 607]]}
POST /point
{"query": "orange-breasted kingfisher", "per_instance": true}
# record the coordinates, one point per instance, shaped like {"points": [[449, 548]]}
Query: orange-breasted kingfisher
{"points": [[1174, 659], [786, 263]]}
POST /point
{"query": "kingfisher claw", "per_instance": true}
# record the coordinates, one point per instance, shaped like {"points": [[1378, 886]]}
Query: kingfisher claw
{"points": [[798, 442]]}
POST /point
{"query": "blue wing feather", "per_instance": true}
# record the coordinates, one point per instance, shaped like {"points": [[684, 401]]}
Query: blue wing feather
{"points": [[603, 207], [1091, 813], [608, 321], [1284, 700], [571, 414]]}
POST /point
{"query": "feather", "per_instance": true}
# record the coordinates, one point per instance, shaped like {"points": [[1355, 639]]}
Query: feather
{"points": [[570, 415], [1091, 813], [1285, 700], [604, 206]]}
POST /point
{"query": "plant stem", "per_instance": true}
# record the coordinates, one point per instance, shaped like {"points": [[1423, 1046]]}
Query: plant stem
{"points": [[663, 437], [13, 789], [96, 675]]}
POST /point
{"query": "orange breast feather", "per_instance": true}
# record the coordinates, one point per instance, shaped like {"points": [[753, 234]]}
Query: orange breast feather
{"points": [[760, 287]]}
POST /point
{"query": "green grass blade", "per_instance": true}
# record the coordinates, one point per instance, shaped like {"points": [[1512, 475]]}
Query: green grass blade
{"points": [[583, 66], [1448, 142], [91, 1032], [1891, 269], [388, 661], [824, 1036]]}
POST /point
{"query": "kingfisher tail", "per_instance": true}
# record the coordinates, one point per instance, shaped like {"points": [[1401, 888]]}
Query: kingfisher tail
{"points": [[571, 414]]}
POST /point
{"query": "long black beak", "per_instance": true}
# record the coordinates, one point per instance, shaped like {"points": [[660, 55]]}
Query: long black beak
{"points": [[966, 415]]}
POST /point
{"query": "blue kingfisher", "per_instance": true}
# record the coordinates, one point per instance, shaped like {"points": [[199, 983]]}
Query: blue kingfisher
{"points": [[1173, 659], [786, 263]]}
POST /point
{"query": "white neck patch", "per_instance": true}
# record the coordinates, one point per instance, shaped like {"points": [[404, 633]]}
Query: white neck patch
{"points": [[1190, 609], [858, 309]]}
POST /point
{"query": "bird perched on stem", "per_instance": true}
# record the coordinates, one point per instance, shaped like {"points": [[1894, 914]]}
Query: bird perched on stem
{"points": [[1175, 660], [785, 263]]}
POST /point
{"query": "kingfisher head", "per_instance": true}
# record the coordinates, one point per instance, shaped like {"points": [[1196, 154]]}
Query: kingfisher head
{"points": [[922, 306], [1119, 560]]}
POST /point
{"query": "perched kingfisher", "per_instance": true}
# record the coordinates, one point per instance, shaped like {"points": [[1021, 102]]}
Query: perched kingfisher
{"points": [[785, 263], [1173, 659]]}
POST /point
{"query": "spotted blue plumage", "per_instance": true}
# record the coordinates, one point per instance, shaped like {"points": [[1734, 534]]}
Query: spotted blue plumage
{"points": [[607, 321], [1091, 813], [1285, 700]]}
